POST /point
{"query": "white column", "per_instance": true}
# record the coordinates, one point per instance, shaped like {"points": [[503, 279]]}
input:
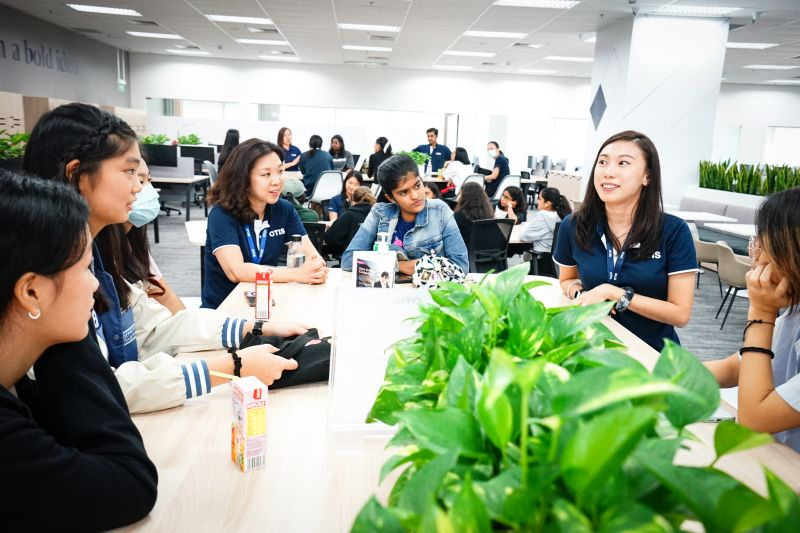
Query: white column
{"points": [[661, 76]]}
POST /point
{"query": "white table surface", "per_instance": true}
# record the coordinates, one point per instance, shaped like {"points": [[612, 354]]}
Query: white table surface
{"points": [[700, 216], [737, 230], [316, 479]]}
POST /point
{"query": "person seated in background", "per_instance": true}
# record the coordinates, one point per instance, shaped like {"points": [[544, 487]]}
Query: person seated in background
{"points": [[439, 153], [313, 163], [416, 226], [140, 267], [342, 159], [473, 204], [432, 192], [499, 170], [552, 207], [71, 458], [295, 193], [382, 149], [342, 230], [767, 367], [512, 205], [620, 246], [339, 203], [457, 170], [291, 153], [250, 225], [231, 142]]}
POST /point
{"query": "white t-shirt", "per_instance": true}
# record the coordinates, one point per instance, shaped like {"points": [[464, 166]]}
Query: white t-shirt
{"points": [[786, 370], [458, 173]]}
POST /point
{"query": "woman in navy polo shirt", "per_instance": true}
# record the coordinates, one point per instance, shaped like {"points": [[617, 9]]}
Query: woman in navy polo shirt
{"points": [[500, 169], [251, 223], [291, 153], [621, 246]]}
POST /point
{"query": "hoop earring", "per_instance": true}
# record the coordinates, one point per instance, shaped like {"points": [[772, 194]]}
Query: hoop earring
{"points": [[36, 316]]}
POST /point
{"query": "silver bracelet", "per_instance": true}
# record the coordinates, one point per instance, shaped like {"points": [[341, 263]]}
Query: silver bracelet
{"points": [[569, 288]]}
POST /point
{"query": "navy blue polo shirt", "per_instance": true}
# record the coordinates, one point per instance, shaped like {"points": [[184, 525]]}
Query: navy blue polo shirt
{"points": [[648, 277], [290, 155], [440, 154], [501, 163], [224, 230]]}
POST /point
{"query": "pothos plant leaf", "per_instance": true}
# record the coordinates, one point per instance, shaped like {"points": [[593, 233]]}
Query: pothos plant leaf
{"points": [[730, 437], [682, 368]]}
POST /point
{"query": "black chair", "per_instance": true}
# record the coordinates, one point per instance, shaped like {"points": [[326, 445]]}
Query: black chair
{"points": [[542, 263], [316, 233], [488, 245]]}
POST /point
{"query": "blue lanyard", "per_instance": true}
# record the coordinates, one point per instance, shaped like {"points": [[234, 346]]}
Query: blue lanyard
{"points": [[256, 256], [614, 268]]}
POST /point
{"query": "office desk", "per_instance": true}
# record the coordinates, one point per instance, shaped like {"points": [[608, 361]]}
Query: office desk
{"points": [[188, 185], [737, 230], [700, 216], [516, 232], [314, 481]]}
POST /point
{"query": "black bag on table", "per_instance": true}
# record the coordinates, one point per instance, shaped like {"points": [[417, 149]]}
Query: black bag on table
{"points": [[312, 353]]}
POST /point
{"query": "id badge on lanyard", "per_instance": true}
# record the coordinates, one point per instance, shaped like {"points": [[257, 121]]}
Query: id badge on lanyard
{"points": [[614, 268], [256, 255]]}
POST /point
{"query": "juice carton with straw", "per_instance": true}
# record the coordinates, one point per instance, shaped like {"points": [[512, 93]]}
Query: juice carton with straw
{"points": [[249, 428]]}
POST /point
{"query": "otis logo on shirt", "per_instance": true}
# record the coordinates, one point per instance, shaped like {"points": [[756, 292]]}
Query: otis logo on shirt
{"points": [[656, 255], [276, 232]]}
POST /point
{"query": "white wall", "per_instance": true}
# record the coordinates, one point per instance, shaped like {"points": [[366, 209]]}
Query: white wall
{"points": [[423, 97]]}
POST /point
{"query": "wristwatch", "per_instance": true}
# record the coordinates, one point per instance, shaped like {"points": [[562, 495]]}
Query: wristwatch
{"points": [[257, 325], [624, 300]]}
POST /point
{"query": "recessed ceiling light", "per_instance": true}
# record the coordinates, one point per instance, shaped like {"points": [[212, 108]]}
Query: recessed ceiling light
{"points": [[270, 42], [572, 59], [541, 4], [369, 27], [105, 10], [279, 58], [750, 46], [770, 67], [535, 45], [154, 35], [451, 67], [536, 71], [243, 20], [696, 11], [360, 48], [494, 34], [460, 53], [189, 52], [785, 82]]}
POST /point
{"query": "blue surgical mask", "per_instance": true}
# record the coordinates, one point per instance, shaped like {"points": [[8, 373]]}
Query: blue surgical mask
{"points": [[146, 206]]}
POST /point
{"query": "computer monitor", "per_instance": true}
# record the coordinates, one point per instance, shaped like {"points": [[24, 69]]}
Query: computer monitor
{"points": [[561, 165], [532, 161], [161, 155], [545, 163], [200, 154]]}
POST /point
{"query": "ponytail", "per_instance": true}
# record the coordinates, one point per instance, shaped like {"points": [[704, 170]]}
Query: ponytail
{"points": [[560, 203], [563, 208]]}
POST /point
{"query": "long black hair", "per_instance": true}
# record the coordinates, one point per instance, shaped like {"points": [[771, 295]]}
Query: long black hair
{"points": [[462, 156], [231, 142], [341, 151], [351, 174], [777, 223], [90, 135], [560, 203], [648, 216], [394, 170], [386, 147], [42, 229], [315, 143], [473, 204]]}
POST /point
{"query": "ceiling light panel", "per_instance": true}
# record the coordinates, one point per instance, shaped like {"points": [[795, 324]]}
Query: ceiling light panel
{"points": [[541, 4], [242, 20], [464, 53], [770, 67], [105, 10], [154, 35], [750, 46], [785, 82], [279, 58], [369, 27], [570, 59], [696, 11], [360, 48], [265, 42], [189, 52], [494, 34]]}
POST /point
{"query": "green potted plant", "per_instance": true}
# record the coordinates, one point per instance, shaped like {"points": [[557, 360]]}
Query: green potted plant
{"points": [[191, 139], [12, 148], [154, 138], [419, 158], [514, 417]]}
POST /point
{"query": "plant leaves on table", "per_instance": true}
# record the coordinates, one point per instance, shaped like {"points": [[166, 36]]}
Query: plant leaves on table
{"points": [[445, 430], [730, 437], [469, 512], [375, 517], [574, 319], [419, 492], [682, 368]]}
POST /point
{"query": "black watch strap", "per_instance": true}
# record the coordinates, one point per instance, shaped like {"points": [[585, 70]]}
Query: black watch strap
{"points": [[257, 327], [623, 303]]}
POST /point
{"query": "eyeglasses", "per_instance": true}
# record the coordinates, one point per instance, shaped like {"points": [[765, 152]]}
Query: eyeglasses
{"points": [[754, 247]]}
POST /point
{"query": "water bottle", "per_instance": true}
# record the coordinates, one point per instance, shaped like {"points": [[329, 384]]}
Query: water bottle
{"points": [[295, 256], [381, 242]]}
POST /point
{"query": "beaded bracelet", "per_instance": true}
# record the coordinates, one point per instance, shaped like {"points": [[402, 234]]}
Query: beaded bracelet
{"points": [[237, 362], [757, 349], [751, 322]]}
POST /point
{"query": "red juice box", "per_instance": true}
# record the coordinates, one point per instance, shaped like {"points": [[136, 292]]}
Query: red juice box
{"points": [[249, 428]]}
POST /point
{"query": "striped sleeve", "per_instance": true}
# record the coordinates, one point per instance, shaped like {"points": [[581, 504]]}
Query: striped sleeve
{"points": [[232, 330], [196, 378]]}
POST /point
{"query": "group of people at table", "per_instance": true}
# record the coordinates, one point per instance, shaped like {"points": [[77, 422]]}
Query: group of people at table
{"points": [[75, 361]]}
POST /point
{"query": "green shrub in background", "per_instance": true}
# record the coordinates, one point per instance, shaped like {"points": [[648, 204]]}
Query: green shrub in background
{"points": [[418, 157], [188, 139], [514, 417], [154, 138], [748, 179], [12, 145]]}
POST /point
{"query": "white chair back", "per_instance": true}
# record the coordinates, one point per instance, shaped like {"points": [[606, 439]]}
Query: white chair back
{"points": [[328, 185], [505, 183], [475, 178]]}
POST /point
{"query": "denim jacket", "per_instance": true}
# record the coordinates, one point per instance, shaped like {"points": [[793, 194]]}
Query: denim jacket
{"points": [[435, 230]]}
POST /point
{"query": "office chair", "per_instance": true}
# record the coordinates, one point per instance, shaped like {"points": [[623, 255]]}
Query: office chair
{"points": [[542, 263], [488, 245], [475, 178], [508, 181], [328, 185], [732, 270]]}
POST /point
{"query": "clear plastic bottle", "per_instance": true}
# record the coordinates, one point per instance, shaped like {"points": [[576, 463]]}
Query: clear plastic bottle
{"points": [[295, 256], [381, 242]]}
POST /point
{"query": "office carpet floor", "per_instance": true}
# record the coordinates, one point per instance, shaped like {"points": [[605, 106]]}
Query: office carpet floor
{"points": [[179, 261]]}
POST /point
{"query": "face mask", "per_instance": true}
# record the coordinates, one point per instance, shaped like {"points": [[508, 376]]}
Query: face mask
{"points": [[492, 153], [146, 206]]}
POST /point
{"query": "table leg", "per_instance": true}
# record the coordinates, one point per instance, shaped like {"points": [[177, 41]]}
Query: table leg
{"points": [[189, 189], [202, 266], [205, 198]]}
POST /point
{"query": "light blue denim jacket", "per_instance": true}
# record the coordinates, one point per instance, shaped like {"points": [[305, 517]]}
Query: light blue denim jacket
{"points": [[435, 230]]}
